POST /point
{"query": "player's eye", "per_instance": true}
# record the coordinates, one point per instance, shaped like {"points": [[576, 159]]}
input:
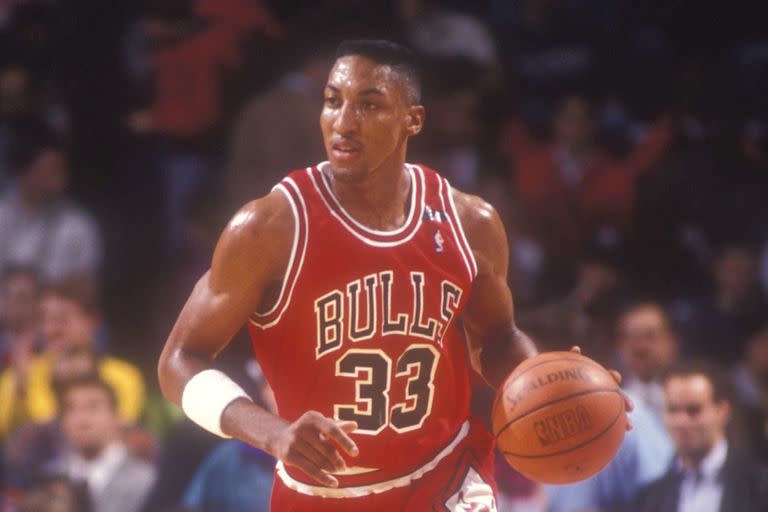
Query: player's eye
{"points": [[367, 105], [332, 101]]}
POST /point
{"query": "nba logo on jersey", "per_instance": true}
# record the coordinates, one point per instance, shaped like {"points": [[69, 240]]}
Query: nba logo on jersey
{"points": [[439, 241]]}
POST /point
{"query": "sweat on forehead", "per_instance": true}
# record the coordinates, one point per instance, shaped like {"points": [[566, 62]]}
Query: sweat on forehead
{"points": [[362, 72]]}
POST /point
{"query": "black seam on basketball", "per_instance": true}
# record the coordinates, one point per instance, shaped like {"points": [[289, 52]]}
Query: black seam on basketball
{"points": [[556, 400], [581, 359], [572, 448]]}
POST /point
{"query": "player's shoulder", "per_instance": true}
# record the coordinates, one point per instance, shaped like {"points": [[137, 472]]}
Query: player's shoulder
{"points": [[266, 216], [484, 230], [261, 230], [477, 216]]}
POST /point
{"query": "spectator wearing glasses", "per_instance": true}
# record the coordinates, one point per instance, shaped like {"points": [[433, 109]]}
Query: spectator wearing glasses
{"points": [[707, 474]]}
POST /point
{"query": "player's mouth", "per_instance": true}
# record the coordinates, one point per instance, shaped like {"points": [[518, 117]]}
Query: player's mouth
{"points": [[345, 152]]}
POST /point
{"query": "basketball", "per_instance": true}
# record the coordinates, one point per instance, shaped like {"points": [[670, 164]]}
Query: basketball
{"points": [[559, 418]]}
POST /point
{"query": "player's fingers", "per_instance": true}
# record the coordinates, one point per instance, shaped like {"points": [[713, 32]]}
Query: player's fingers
{"points": [[628, 403], [616, 376], [347, 426], [576, 349], [338, 433], [326, 455], [302, 462]]}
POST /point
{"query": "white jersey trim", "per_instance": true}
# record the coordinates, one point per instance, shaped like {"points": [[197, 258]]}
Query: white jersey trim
{"points": [[362, 227], [461, 231], [288, 283], [451, 215], [376, 488], [347, 221]]}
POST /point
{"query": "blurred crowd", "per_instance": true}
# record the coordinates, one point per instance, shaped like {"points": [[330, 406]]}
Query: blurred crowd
{"points": [[625, 145]]}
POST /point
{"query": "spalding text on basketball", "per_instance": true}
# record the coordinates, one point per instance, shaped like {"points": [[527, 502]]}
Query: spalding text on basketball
{"points": [[575, 373]]}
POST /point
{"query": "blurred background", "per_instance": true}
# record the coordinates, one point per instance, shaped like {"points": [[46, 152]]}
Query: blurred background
{"points": [[624, 143]]}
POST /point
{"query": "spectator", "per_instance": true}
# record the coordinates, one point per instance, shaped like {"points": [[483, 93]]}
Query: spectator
{"points": [[96, 457], [70, 318], [647, 346], [643, 457], [39, 226], [19, 317], [585, 316], [277, 130], [55, 495], [21, 101], [14, 99], [750, 378], [451, 140], [569, 187], [707, 474], [435, 31], [211, 31], [205, 43], [33, 445], [28, 449], [718, 325]]}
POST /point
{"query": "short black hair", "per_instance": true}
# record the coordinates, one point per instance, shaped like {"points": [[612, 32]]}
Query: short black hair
{"points": [[718, 379], [400, 58], [640, 304], [20, 269], [91, 381], [78, 289], [30, 138]]}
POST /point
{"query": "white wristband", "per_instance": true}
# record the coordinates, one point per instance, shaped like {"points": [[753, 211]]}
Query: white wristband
{"points": [[205, 397]]}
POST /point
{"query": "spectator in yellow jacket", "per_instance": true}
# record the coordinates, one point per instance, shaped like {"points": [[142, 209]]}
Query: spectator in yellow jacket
{"points": [[70, 316]]}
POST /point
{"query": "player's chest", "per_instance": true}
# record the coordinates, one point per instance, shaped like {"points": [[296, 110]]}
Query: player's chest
{"points": [[355, 301]]}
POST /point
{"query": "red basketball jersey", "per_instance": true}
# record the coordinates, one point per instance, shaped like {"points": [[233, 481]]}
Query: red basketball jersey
{"points": [[365, 329]]}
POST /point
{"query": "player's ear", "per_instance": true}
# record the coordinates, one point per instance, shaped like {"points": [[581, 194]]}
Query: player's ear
{"points": [[415, 120]]}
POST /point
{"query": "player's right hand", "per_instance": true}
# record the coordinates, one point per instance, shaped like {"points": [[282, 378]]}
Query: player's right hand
{"points": [[310, 444]]}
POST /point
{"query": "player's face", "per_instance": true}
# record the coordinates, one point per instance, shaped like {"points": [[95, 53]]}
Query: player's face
{"points": [[366, 118], [694, 419]]}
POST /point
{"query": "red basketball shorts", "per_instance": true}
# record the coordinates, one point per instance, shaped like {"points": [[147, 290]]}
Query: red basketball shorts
{"points": [[461, 481]]}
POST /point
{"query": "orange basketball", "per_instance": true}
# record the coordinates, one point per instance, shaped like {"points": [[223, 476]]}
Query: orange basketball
{"points": [[559, 418]]}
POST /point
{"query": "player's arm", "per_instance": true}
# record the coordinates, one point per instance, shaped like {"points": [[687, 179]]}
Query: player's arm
{"points": [[496, 345], [250, 257]]}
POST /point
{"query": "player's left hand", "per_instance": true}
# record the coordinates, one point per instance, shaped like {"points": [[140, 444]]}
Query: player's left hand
{"points": [[628, 405]]}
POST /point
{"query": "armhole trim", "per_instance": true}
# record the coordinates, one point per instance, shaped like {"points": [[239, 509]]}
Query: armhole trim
{"points": [[296, 261], [456, 228]]}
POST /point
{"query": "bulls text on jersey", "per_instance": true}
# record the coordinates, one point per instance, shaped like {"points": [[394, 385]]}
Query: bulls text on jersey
{"points": [[338, 313]]}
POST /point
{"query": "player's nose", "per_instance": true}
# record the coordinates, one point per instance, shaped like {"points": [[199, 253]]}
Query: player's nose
{"points": [[346, 120]]}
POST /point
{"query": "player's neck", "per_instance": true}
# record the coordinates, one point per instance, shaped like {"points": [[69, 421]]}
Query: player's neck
{"points": [[381, 200]]}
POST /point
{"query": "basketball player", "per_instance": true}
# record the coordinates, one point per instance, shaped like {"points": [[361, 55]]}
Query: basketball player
{"points": [[357, 277]]}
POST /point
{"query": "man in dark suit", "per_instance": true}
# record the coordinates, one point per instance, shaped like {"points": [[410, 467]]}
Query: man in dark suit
{"points": [[707, 474]]}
